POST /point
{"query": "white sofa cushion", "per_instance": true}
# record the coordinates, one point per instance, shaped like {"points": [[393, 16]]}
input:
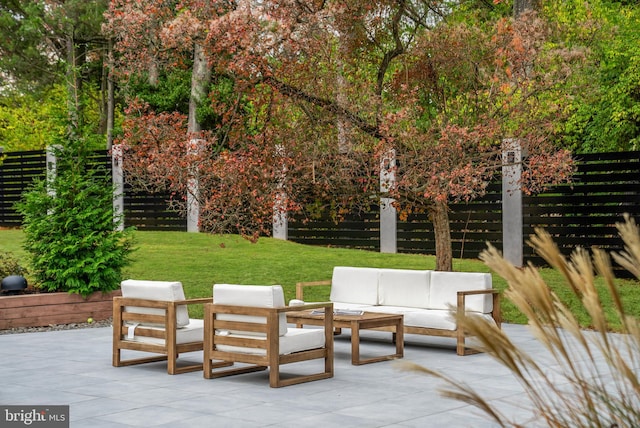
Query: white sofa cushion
{"points": [[431, 318], [444, 287], [259, 296], [394, 310], [164, 291], [194, 332], [354, 285], [337, 306], [403, 287], [296, 340], [439, 319]]}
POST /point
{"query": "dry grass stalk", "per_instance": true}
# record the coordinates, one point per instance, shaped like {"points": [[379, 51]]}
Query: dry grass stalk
{"points": [[591, 378]]}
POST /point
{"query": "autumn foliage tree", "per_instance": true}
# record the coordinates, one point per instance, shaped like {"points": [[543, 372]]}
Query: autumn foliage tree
{"points": [[308, 97]]}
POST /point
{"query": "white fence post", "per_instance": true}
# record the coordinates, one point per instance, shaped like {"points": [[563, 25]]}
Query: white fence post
{"points": [[512, 240], [117, 174], [280, 219], [388, 218]]}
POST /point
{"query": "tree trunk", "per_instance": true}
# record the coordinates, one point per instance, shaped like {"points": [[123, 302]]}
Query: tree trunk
{"points": [[439, 214], [111, 102], [520, 6], [73, 87], [200, 79], [104, 99], [154, 73]]}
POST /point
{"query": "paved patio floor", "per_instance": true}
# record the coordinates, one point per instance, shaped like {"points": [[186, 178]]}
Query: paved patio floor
{"points": [[73, 367]]}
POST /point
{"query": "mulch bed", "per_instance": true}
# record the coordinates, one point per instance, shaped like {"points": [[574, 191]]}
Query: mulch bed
{"points": [[57, 327]]}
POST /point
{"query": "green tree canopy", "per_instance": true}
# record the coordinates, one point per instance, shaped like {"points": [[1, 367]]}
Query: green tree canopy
{"points": [[606, 117]]}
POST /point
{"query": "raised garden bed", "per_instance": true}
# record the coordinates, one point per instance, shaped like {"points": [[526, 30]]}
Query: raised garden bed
{"points": [[43, 309]]}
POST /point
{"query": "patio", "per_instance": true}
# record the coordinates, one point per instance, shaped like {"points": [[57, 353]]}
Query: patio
{"points": [[73, 367]]}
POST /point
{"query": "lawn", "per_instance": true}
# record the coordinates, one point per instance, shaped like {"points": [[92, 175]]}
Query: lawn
{"points": [[200, 260]]}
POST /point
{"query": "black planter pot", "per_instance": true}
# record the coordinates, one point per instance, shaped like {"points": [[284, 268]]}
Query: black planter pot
{"points": [[13, 284]]}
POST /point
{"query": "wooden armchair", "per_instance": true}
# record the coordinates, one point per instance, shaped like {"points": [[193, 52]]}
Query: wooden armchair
{"points": [[152, 316], [247, 324]]}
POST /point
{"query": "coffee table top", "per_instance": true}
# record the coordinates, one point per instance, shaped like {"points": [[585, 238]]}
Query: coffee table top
{"points": [[342, 315]]}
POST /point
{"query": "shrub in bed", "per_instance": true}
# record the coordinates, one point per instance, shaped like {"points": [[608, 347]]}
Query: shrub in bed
{"points": [[70, 231]]}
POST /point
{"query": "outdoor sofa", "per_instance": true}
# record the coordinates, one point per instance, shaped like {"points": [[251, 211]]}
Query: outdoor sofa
{"points": [[428, 300]]}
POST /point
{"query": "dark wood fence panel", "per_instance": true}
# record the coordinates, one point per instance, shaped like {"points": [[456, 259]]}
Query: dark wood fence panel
{"points": [[605, 186], [142, 210], [355, 231], [149, 211], [584, 213], [472, 225], [17, 172]]}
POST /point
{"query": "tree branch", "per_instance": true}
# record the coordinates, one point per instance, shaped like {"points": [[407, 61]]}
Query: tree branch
{"points": [[326, 104]]}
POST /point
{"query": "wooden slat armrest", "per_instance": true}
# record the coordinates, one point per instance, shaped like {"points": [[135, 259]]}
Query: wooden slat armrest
{"points": [[485, 291], [195, 301], [248, 310], [147, 303], [128, 301], [214, 308], [317, 305], [495, 313], [301, 285]]}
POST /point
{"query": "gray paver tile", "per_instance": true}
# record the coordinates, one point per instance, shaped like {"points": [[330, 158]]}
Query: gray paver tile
{"points": [[74, 367]]}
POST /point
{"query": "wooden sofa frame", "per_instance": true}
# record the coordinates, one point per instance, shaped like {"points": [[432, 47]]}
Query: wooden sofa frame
{"points": [[170, 350], [459, 334]]}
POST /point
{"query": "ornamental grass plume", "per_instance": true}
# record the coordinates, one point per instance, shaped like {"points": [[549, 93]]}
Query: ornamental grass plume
{"points": [[591, 378]]}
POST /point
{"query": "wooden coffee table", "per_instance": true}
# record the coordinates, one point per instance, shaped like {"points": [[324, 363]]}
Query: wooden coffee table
{"points": [[365, 321]]}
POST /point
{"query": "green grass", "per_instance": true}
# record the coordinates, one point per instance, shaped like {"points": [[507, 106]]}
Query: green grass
{"points": [[199, 260]]}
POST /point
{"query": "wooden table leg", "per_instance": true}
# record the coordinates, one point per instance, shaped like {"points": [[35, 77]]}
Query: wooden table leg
{"points": [[355, 343], [399, 336]]}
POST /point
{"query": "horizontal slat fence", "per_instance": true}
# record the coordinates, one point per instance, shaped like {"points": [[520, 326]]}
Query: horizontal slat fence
{"points": [[355, 231], [143, 210], [584, 213], [148, 211], [472, 225], [17, 172]]}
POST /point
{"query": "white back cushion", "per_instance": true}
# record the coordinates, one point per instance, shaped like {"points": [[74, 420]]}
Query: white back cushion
{"points": [[403, 287], [258, 296], [164, 291], [354, 285], [445, 286]]}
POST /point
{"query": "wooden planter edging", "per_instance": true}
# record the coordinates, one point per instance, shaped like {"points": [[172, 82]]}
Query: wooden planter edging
{"points": [[43, 309]]}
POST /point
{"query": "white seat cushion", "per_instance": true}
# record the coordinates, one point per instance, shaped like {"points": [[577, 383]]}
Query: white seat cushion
{"points": [[164, 291], [440, 319], [354, 285], [351, 306], [257, 296], [296, 340], [403, 287], [431, 318], [194, 332], [445, 286], [395, 310]]}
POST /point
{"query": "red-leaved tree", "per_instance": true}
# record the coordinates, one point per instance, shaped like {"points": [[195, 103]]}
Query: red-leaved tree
{"points": [[319, 91]]}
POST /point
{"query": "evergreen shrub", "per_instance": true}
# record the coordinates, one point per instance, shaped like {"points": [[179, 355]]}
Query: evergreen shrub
{"points": [[70, 231]]}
